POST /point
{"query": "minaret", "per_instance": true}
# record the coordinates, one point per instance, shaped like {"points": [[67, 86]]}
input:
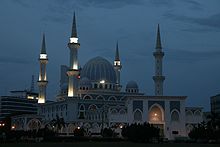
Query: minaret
{"points": [[42, 82], [73, 71], [117, 67], [158, 54]]}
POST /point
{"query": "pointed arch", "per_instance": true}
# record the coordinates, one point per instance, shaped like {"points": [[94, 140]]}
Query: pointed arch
{"points": [[34, 124], [81, 111], [175, 115], [82, 107], [100, 97], [122, 111], [95, 128], [112, 98], [156, 113], [114, 111], [87, 125], [137, 115], [71, 128], [92, 107], [189, 116], [87, 97], [197, 113]]}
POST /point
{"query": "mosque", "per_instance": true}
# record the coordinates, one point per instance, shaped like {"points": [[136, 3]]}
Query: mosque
{"points": [[91, 97]]}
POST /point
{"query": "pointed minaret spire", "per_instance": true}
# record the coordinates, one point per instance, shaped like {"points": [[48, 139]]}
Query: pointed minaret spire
{"points": [[74, 31], [73, 71], [42, 82], [117, 67], [158, 77], [43, 48], [117, 53], [158, 43]]}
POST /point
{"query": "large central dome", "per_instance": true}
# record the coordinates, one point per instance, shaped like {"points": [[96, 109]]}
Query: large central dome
{"points": [[98, 69]]}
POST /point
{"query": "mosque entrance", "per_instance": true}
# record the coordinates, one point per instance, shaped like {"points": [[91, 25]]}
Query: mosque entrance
{"points": [[156, 117]]}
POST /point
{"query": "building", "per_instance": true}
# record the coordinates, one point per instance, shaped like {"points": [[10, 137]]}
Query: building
{"points": [[91, 97], [194, 115], [19, 102], [215, 104]]}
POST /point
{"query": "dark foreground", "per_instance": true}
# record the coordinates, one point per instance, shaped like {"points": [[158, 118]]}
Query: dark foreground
{"points": [[105, 144]]}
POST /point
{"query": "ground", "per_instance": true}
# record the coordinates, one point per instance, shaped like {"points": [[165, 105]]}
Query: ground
{"points": [[104, 144]]}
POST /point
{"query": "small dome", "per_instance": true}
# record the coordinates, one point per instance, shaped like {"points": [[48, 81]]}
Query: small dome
{"points": [[132, 84], [85, 82], [98, 69], [132, 87]]}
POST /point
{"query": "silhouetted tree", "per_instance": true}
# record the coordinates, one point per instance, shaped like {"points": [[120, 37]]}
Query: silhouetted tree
{"points": [[107, 132], [141, 132], [79, 132]]}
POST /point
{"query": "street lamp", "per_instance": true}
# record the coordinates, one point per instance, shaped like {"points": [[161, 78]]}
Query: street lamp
{"points": [[2, 124]]}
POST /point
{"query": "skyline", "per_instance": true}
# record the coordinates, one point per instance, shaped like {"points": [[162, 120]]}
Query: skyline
{"points": [[189, 41]]}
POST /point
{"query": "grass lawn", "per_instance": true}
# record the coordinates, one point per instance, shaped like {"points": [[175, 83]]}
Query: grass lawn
{"points": [[105, 144]]}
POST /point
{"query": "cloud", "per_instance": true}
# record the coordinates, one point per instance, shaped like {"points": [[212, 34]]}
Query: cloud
{"points": [[55, 18], [24, 3], [193, 2], [162, 2], [14, 60], [110, 3], [191, 56], [61, 5], [195, 5], [212, 21]]}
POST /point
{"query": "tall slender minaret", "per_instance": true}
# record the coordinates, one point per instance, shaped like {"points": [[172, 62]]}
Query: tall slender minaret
{"points": [[158, 54], [117, 67], [42, 82], [73, 71]]}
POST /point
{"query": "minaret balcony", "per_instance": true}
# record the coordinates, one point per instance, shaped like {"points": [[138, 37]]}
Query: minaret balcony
{"points": [[42, 83], [73, 72]]}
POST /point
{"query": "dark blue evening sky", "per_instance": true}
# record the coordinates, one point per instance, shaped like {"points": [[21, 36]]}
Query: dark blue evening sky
{"points": [[190, 31]]}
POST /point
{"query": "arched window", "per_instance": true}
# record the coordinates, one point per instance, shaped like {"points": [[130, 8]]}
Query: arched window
{"points": [[100, 97], [87, 97], [34, 124], [137, 115], [156, 114], [81, 112], [197, 113], [92, 107], [175, 116], [114, 111], [112, 98], [189, 116], [122, 111]]}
